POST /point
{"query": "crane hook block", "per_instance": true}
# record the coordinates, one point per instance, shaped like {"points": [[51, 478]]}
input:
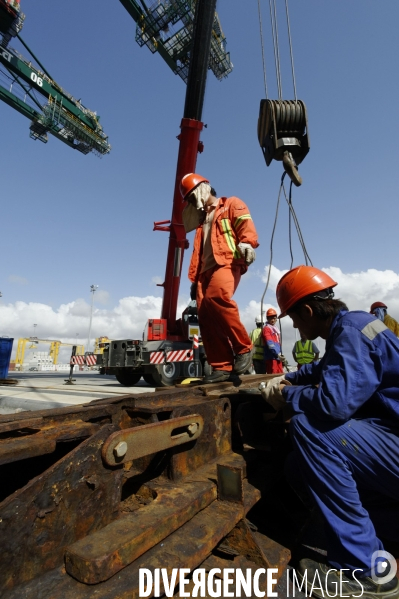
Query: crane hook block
{"points": [[283, 134]]}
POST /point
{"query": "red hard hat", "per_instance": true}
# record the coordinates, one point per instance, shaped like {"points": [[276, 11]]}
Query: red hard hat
{"points": [[377, 305], [190, 182], [271, 312], [298, 283]]}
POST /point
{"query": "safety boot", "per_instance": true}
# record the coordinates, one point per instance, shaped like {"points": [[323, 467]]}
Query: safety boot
{"points": [[322, 580], [217, 376], [242, 362]]}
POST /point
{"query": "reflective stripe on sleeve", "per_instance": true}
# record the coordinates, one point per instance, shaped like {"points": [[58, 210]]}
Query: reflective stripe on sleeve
{"points": [[241, 218], [228, 233], [372, 329]]}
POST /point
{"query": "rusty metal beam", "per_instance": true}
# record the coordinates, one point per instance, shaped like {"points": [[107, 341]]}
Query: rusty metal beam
{"points": [[186, 548], [44, 441], [100, 555], [70, 500]]}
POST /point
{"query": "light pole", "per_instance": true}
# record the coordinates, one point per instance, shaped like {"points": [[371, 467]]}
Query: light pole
{"points": [[93, 289]]}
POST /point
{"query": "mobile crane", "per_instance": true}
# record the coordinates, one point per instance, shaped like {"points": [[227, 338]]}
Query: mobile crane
{"points": [[165, 353]]}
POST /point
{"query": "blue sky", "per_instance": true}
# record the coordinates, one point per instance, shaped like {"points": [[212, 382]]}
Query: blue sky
{"points": [[70, 220]]}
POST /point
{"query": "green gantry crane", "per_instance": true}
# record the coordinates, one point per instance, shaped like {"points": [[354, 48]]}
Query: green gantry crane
{"points": [[62, 115], [166, 27]]}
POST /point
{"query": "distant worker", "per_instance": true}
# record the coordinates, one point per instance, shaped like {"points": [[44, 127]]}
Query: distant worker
{"points": [[256, 337], [223, 249], [380, 311], [274, 360], [344, 430], [305, 351]]}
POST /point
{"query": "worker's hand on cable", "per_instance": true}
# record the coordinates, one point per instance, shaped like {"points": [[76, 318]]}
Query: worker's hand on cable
{"points": [[283, 359], [247, 252], [271, 392]]}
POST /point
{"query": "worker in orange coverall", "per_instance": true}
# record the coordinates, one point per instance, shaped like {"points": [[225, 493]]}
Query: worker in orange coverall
{"points": [[223, 249]]}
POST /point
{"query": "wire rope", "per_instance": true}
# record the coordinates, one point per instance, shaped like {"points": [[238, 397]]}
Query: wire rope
{"points": [[297, 226], [271, 246], [289, 228], [275, 49], [291, 52], [263, 49], [278, 49]]}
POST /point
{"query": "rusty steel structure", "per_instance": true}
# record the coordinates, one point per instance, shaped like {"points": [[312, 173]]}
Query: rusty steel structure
{"points": [[177, 478]]}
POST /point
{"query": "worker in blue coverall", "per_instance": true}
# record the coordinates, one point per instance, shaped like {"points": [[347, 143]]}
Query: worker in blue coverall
{"points": [[345, 434]]}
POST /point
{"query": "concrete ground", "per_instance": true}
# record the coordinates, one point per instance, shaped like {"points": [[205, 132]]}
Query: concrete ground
{"points": [[45, 390]]}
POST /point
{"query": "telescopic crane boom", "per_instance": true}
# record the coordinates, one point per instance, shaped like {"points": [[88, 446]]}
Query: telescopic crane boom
{"points": [[165, 353]]}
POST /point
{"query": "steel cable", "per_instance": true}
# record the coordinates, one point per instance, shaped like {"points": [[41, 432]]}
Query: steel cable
{"points": [[271, 246], [275, 47], [291, 52], [297, 226], [263, 49]]}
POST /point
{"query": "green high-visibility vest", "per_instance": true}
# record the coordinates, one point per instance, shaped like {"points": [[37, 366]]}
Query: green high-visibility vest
{"points": [[257, 340], [304, 352]]}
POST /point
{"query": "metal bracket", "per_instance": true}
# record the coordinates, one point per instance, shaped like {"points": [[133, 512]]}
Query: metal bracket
{"points": [[133, 443], [230, 483]]}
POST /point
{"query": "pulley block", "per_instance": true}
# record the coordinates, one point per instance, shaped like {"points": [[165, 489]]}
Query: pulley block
{"points": [[283, 134]]}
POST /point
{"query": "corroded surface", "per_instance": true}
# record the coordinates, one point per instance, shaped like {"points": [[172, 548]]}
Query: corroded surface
{"points": [[186, 548], [161, 510], [100, 555], [74, 497]]}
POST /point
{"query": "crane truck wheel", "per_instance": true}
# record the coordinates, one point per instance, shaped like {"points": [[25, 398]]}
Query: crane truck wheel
{"points": [[149, 379], [189, 370], [128, 379], [165, 375]]}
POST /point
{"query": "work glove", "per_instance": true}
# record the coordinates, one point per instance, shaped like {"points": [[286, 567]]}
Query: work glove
{"points": [[193, 291], [247, 252], [271, 392]]}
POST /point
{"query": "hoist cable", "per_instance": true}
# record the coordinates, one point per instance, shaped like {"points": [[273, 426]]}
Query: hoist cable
{"points": [[289, 227], [278, 49], [291, 52], [297, 226], [263, 49], [271, 246], [275, 48]]}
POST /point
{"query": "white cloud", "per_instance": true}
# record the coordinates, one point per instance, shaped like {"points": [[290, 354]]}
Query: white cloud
{"points": [[129, 316], [17, 280], [70, 322], [358, 290]]}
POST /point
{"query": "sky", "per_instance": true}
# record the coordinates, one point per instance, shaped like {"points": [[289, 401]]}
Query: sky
{"points": [[69, 221]]}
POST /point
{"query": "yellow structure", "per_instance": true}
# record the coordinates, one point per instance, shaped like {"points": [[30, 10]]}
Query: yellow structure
{"points": [[99, 344], [54, 348]]}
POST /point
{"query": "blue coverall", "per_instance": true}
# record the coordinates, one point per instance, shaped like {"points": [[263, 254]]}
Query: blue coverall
{"points": [[345, 434]]}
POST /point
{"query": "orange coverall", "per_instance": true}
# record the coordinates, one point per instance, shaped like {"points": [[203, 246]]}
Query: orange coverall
{"points": [[222, 332]]}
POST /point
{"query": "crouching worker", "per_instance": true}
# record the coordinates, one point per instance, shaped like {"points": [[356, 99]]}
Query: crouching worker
{"points": [[345, 434]]}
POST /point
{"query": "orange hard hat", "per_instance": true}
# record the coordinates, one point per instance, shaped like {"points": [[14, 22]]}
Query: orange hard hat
{"points": [[190, 182], [299, 283], [377, 305], [271, 312]]}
